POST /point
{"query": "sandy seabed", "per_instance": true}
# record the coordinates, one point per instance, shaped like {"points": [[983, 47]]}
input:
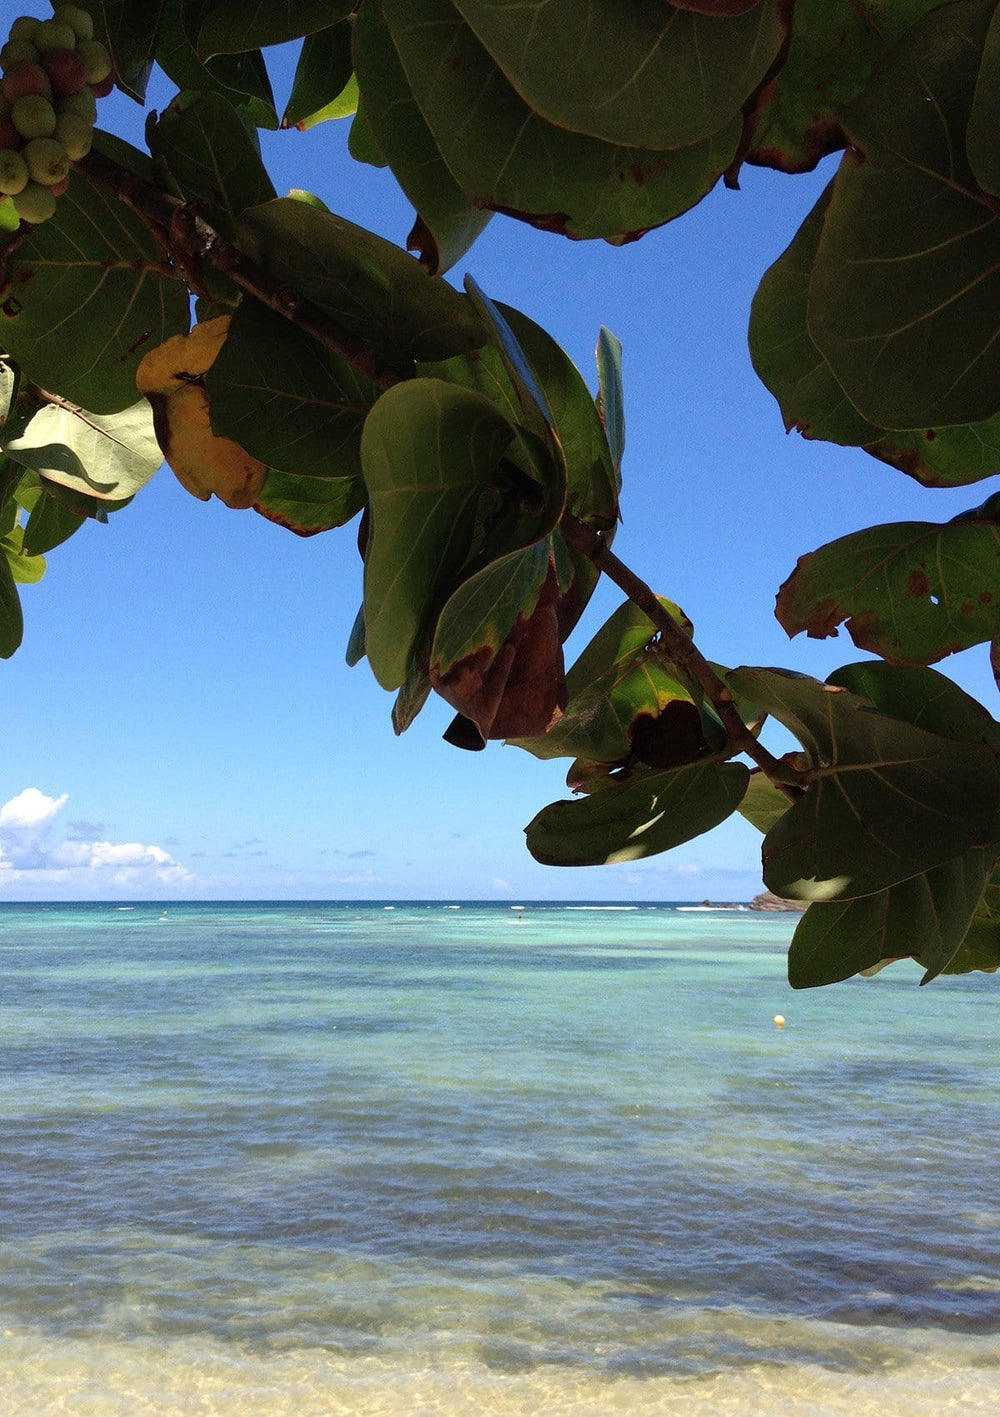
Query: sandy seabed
{"points": [[934, 1374]]}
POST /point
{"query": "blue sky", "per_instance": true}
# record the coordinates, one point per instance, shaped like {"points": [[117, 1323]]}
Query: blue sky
{"points": [[181, 723]]}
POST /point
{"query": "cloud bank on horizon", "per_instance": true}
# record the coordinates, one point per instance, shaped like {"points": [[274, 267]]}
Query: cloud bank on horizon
{"points": [[35, 857]]}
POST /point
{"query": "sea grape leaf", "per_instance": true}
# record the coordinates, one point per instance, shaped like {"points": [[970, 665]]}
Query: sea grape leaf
{"points": [[87, 294], [811, 400], [922, 697], [307, 505], [372, 288], [242, 78], [211, 156], [626, 822], [514, 161], [592, 486], [290, 402], [49, 525], [355, 651], [129, 31], [414, 691], [428, 451], [611, 397], [110, 456], [912, 592], [980, 138], [25, 568], [926, 917], [8, 389], [447, 222], [905, 285], [643, 76], [322, 87], [763, 803], [496, 655], [621, 680], [885, 800], [11, 615], [834, 46], [981, 947], [234, 26]]}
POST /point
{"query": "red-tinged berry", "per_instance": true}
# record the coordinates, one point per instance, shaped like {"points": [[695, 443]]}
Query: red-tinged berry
{"points": [[75, 134], [14, 173], [10, 138], [77, 19], [24, 27], [18, 51], [53, 34], [60, 187], [35, 203], [83, 104], [66, 70], [102, 89], [96, 59], [33, 117], [47, 161], [23, 79]]}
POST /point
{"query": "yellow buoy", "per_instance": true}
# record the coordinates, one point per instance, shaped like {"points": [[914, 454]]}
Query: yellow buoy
{"points": [[779, 1020]]}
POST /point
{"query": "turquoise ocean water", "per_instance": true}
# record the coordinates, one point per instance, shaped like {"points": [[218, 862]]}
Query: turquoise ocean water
{"points": [[320, 1159]]}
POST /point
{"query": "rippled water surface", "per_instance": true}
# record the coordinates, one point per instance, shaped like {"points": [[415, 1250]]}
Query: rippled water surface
{"points": [[316, 1159]]}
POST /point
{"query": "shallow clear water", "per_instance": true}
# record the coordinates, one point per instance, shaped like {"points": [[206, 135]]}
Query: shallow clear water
{"points": [[337, 1158]]}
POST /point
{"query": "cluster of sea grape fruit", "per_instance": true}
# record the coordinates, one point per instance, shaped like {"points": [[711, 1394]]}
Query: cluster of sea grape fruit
{"points": [[53, 73]]}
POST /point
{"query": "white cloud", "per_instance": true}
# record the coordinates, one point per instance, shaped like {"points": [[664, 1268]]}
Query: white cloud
{"points": [[499, 884], [31, 862]]}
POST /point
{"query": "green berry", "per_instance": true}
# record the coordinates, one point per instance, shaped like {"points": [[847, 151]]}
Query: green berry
{"points": [[75, 134], [24, 27], [33, 117], [14, 173], [16, 51], [53, 34], [82, 104], [96, 59], [78, 20], [47, 159], [35, 203]]}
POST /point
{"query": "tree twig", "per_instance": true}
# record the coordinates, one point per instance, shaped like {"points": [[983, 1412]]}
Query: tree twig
{"points": [[684, 652]]}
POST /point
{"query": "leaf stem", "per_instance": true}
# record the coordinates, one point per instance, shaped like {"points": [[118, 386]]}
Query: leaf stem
{"points": [[684, 652]]}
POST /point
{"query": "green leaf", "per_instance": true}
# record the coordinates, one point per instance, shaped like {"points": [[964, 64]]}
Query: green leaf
{"points": [[307, 505], [496, 655], [109, 456], [211, 156], [927, 916], [8, 391], [514, 161], [428, 451], [811, 400], [922, 697], [11, 617], [981, 144], [592, 493], [981, 947], [906, 284], [89, 294], [911, 592], [611, 398], [885, 800], [644, 76], [322, 87], [291, 403], [129, 31], [763, 804], [641, 818], [447, 222], [242, 78], [233, 26], [834, 46], [49, 525], [621, 685], [355, 651], [26, 570], [372, 288]]}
